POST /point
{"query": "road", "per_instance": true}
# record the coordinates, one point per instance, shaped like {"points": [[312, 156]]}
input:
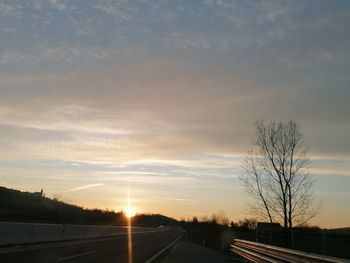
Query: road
{"points": [[186, 252], [106, 250]]}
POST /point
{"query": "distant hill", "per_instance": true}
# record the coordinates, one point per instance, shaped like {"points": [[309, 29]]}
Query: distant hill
{"points": [[20, 206], [340, 231]]}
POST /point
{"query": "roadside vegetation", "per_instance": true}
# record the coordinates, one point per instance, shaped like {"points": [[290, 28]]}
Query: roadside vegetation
{"points": [[20, 206]]}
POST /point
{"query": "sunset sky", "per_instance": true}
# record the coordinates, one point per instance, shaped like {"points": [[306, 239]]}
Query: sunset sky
{"points": [[161, 96]]}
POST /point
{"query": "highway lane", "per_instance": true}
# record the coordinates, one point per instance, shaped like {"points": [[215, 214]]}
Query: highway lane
{"points": [[114, 250]]}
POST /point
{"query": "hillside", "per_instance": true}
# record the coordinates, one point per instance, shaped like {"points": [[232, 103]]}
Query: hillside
{"points": [[35, 207], [340, 231]]}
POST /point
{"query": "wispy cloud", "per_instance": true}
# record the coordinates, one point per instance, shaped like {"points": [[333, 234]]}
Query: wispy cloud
{"points": [[330, 170], [83, 187], [187, 42], [63, 53], [58, 4], [165, 93], [10, 10], [118, 9], [179, 199], [344, 194]]}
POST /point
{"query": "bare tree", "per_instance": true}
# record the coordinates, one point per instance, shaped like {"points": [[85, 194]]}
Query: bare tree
{"points": [[275, 175]]}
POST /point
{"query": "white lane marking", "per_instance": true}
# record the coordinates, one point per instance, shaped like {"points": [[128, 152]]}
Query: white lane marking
{"points": [[75, 256], [174, 247], [151, 259]]}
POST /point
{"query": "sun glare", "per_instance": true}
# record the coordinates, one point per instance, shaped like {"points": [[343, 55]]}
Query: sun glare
{"points": [[129, 212]]}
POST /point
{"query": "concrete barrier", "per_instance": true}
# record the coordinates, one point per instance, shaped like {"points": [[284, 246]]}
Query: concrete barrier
{"points": [[46, 232], [23, 233], [15, 233]]}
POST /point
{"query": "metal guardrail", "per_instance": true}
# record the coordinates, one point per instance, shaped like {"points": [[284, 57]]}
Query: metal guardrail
{"points": [[258, 252]]}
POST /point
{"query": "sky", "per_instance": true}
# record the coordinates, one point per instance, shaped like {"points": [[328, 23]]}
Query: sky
{"points": [[160, 97]]}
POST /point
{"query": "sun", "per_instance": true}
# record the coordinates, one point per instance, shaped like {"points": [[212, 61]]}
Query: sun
{"points": [[129, 212]]}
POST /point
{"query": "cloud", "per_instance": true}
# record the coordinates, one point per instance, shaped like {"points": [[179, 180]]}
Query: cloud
{"points": [[118, 9], [64, 53], [344, 194], [178, 113], [83, 187], [187, 42], [179, 199], [58, 4], [166, 94], [329, 171], [10, 10]]}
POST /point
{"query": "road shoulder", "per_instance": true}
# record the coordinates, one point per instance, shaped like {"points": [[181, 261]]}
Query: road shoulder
{"points": [[189, 252]]}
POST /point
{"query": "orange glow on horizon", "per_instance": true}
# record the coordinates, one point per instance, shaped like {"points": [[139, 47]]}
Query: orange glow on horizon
{"points": [[129, 212]]}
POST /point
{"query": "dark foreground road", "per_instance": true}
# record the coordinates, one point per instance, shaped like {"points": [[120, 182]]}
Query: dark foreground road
{"points": [[186, 252], [114, 250]]}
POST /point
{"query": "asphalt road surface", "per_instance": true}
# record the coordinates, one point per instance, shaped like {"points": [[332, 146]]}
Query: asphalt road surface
{"points": [[115, 249], [186, 252]]}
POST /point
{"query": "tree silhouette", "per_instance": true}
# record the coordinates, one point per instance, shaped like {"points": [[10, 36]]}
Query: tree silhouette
{"points": [[275, 175]]}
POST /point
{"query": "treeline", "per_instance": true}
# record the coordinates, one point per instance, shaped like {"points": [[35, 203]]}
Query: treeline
{"points": [[35, 207]]}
